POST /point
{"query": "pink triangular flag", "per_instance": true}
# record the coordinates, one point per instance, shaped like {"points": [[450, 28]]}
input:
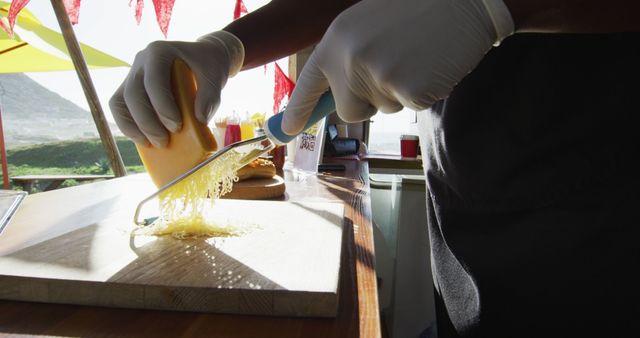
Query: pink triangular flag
{"points": [[73, 10]]}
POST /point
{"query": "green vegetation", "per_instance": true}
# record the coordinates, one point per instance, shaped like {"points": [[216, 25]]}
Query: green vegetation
{"points": [[83, 157]]}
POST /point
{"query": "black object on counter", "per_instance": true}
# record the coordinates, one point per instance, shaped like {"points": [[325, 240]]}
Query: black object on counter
{"points": [[331, 167], [339, 146], [342, 146]]}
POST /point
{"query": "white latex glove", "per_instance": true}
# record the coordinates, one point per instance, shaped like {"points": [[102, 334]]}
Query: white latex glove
{"points": [[144, 107], [383, 55]]}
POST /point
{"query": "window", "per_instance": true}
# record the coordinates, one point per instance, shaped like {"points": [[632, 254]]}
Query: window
{"points": [[385, 131]]}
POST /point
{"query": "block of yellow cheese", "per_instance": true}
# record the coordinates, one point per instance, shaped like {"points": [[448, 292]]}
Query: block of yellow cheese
{"points": [[190, 145]]}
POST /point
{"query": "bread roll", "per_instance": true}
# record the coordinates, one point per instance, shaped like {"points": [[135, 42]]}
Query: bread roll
{"points": [[257, 168]]}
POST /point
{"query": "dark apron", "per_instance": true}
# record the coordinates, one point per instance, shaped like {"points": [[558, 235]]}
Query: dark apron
{"points": [[534, 190]]}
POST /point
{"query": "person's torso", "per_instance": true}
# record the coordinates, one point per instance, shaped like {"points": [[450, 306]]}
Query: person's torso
{"points": [[540, 117], [531, 171]]}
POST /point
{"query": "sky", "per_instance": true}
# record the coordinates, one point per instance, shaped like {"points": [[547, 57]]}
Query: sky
{"points": [[110, 26]]}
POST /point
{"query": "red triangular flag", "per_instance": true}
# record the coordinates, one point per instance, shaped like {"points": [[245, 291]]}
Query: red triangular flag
{"points": [[163, 14], [239, 10], [73, 10], [14, 9], [283, 87], [139, 8]]}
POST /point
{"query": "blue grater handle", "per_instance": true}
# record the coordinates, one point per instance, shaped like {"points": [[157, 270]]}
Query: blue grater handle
{"points": [[273, 128]]}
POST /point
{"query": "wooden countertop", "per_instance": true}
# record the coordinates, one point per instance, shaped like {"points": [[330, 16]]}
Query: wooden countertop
{"points": [[358, 310], [386, 161]]}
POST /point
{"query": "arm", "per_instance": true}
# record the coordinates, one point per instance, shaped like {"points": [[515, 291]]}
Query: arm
{"points": [[283, 27], [575, 16]]}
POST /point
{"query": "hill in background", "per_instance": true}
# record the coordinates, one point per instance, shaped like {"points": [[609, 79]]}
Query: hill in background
{"points": [[24, 98], [33, 114]]}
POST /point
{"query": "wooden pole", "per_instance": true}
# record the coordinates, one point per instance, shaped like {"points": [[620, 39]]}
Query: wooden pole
{"points": [[3, 153], [297, 61], [82, 70]]}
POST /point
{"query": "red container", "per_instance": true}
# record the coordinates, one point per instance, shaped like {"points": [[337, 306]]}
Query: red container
{"points": [[232, 134], [409, 146]]}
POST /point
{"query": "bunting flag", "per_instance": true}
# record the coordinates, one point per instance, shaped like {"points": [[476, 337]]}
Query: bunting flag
{"points": [[283, 87], [239, 9], [73, 10], [139, 8], [14, 9], [163, 10], [72, 7], [163, 14]]}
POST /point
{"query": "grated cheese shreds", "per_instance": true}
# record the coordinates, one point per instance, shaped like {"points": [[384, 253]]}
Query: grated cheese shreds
{"points": [[185, 208]]}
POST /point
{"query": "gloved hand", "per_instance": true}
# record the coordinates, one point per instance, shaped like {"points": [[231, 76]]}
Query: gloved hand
{"points": [[144, 107], [382, 55]]}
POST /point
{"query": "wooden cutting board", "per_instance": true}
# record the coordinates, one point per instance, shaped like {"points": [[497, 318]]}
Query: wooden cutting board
{"points": [[75, 246], [257, 188]]}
